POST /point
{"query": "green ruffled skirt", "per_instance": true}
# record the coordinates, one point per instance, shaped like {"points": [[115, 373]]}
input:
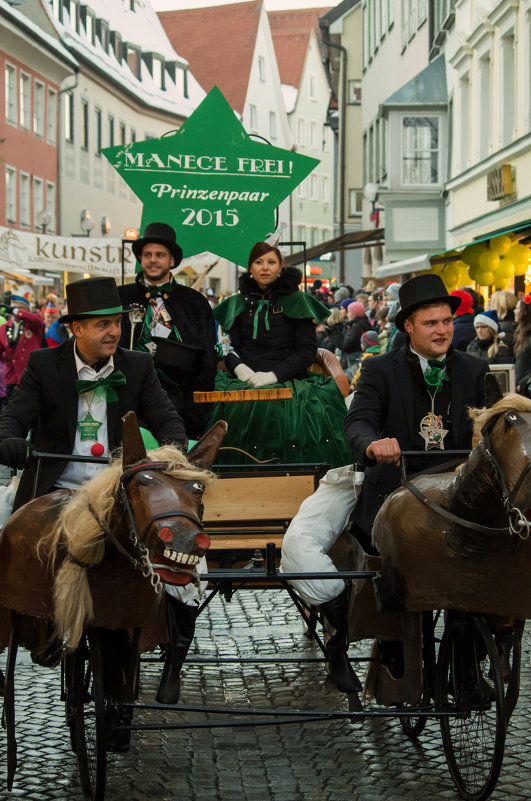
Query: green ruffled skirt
{"points": [[307, 428]]}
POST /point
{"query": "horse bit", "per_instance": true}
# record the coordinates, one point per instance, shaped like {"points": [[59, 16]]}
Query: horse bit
{"points": [[143, 563]]}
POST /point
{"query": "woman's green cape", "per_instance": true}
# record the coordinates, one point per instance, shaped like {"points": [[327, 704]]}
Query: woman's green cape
{"points": [[298, 305]]}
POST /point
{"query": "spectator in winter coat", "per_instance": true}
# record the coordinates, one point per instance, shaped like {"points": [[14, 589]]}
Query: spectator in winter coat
{"points": [[487, 344], [464, 331]]}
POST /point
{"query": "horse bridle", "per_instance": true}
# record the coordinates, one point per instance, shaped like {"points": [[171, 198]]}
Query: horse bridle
{"points": [[143, 562], [518, 523]]}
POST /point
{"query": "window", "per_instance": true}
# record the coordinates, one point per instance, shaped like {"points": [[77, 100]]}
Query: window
{"points": [[464, 125], [311, 84], [111, 130], [69, 117], [102, 32], [57, 8], [313, 187], [157, 72], [51, 117], [365, 36], [25, 218], [89, 24], [302, 233], [354, 91], [11, 195], [313, 135], [261, 68], [116, 44], [508, 83], [84, 124], [50, 204], [122, 133], [11, 93], [38, 199], [133, 59], [355, 197], [300, 131], [25, 100], [253, 117], [132, 135], [301, 190], [272, 125], [422, 11], [98, 131], [38, 109], [420, 150], [325, 189]]}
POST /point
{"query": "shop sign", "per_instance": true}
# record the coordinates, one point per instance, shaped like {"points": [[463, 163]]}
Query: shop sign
{"points": [[215, 184], [500, 182]]}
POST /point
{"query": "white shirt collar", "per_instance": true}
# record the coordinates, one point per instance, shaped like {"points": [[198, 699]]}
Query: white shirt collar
{"points": [[90, 372], [423, 361]]}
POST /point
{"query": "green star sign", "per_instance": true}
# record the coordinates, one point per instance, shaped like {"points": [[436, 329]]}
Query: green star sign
{"points": [[88, 428], [211, 181]]}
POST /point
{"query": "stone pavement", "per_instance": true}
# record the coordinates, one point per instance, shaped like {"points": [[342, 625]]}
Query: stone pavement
{"points": [[325, 761]]}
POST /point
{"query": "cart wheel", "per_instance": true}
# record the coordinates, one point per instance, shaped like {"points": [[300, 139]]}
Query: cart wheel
{"points": [[87, 713], [469, 683], [68, 672], [413, 726]]}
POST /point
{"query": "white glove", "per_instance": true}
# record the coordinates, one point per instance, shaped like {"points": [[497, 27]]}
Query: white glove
{"points": [[243, 372], [262, 379]]}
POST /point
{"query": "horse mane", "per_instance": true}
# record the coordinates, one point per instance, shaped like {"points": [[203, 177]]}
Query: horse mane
{"points": [[80, 534], [481, 417]]}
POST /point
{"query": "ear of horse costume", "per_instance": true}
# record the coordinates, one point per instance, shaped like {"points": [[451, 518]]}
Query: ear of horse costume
{"points": [[204, 451], [133, 444]]}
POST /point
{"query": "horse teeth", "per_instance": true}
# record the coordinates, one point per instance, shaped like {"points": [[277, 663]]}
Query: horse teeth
{"points": [[168, 553]]}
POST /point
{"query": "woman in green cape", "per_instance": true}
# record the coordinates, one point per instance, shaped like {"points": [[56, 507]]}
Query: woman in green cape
{"points": [[272, 343]]}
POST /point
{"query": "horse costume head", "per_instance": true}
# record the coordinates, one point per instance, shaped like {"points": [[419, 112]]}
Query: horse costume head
{"points": [[146, 508]]}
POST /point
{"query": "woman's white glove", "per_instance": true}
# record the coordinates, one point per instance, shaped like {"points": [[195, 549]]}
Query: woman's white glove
{"points": [[262, 379], [243, 372]]}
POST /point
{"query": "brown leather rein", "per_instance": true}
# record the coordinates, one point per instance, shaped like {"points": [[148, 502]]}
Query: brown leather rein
{"points": [[518, 523]]}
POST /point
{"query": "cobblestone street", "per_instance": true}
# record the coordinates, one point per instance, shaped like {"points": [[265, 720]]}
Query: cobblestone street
{"points": [[325, 761]]}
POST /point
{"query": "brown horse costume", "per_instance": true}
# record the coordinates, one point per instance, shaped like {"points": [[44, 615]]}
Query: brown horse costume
{"points": [[95, 556]]}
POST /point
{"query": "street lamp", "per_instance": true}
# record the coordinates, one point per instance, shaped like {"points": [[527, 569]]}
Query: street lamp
{"points": [[44, 219], [87, 223]]}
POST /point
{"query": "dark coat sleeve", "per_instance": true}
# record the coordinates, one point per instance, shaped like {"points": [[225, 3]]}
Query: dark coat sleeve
{"points": [[368, 410]]}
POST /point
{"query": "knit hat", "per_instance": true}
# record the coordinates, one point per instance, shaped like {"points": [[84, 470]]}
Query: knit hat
{"points": [[392, 290], [356, 308], [489, 318], [466, 302], [341, 294], [346, 303], [370, 338]]}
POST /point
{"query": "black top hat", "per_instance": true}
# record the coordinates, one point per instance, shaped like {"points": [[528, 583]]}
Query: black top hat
{"points": [[162, 234], [91, 297], [173, 355], [420, 291]]}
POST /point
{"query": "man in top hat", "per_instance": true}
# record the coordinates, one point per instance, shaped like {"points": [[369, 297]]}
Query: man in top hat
{"points": [[66, 418], [166, 309], [414, 397], [19, 337]]}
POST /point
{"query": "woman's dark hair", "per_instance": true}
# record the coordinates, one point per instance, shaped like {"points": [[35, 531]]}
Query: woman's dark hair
{"points": [[260, 249], [522, 334]]}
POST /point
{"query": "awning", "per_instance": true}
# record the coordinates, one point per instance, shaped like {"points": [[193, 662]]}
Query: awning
{"points": [[350, 241], [403, 267]]}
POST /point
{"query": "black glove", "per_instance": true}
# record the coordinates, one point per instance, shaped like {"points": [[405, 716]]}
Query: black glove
{"points": [[15, 452]]}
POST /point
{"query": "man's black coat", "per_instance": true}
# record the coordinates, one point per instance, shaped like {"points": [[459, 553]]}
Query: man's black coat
{"points": [[191, 314], [386, 404], [46, 402]]}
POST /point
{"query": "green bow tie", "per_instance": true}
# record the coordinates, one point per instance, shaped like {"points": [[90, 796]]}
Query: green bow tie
{"points": [[115, 379], [159, 290], [435, 376]]}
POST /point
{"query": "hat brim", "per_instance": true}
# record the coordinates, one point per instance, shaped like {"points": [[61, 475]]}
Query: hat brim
{"points": [[68, 318], [173, 247], [451, 300]]}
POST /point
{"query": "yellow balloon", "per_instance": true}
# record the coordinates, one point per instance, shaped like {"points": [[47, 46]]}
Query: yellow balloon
{"points": [[521, 269], [450, 276], [485, 277], [489, 261], [437, 268], [505, 269], [500, 283], [473, 272], [500, 244], [518, 253], [472, 253]]}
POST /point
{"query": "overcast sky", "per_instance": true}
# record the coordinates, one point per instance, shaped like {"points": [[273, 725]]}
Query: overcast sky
{"points": [[271, 5]]}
